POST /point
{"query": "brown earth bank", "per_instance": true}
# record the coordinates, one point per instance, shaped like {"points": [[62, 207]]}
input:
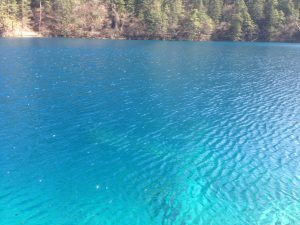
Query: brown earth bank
{"points": [[113, 36], [138, 34], [108, 33], [125, 35]]}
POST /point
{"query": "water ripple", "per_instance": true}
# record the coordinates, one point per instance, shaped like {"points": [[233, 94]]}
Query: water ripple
{"points": [[126, 133]]}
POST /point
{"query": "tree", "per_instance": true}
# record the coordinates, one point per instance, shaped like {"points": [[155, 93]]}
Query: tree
{"points": [[215, 9], [257, 10], [199, 24], [236, 27], [200, 19], [173, 10], [274, 18], [3, 16], [242, 26], [25, 12], [289, 9], [248, 26]]}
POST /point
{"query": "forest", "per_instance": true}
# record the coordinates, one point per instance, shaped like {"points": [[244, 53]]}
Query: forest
{"points": [[235, 20]]}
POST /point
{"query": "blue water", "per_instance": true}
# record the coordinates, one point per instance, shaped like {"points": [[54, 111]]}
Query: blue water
{"points": [[149, 132]]}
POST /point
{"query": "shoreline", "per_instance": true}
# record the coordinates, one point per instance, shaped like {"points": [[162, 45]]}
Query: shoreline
{"points": [[22, 33], [40, 36]]}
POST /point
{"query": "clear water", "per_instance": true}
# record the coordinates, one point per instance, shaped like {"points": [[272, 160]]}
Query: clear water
{"points": [[148, 132]]}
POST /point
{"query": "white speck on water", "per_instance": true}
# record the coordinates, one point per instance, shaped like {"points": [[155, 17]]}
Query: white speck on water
{"points": [[40, 180], [97, 186], [53, 135]]}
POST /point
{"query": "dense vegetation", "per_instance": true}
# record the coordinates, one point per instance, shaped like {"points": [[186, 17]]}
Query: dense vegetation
{"points": [[156, 19]]}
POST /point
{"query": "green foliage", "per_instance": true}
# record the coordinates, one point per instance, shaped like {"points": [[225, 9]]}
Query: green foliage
{"points": [[119, 4], [154, 17], [256, 8], [215, 9], [8, 14], [289, 9], [200, 19], [274, 19], [25, 12], [236, 27], [199, 24]]}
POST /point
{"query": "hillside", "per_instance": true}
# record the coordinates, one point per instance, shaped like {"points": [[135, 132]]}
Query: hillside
{"points": [[236, 20]]}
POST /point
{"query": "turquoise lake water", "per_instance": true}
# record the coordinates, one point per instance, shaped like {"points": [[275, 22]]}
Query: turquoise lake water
{"points": [[149, 132]]}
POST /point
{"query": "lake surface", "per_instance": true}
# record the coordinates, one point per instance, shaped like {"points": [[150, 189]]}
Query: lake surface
{"points": [[149, 132]]}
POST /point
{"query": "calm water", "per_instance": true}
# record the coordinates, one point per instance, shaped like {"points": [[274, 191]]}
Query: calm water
{"points": [[148, 132]]}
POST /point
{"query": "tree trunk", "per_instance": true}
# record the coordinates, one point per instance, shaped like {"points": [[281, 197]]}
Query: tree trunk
{"points": [[115, 19], [40, 18], [22, 12]]}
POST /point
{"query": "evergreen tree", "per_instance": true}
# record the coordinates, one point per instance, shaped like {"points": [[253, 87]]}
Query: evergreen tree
{"points": [[153, 16], [248, 26], [236, 27], [256, 8], [215, 9], [200, 19], [199, 23], [25, 12], [3, 15], [173, 10], [274, 18], [13, 11], [119, 4], [289, 9]]}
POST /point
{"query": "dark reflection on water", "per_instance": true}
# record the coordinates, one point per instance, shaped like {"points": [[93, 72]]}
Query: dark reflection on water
{"points": [[149, 132]]}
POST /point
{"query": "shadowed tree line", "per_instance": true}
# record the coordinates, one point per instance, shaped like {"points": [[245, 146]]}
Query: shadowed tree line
{"points": [[270, 20]]}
